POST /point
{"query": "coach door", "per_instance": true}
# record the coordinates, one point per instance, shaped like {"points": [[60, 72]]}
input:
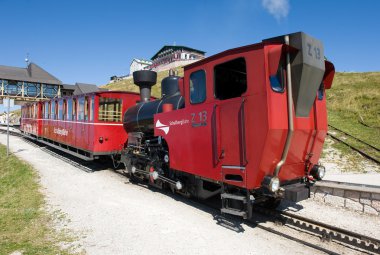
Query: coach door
{"points": [[230, 84]]}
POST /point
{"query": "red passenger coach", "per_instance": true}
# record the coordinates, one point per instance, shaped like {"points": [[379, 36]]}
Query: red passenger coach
{"points": [[88, 125], [31, 119]]}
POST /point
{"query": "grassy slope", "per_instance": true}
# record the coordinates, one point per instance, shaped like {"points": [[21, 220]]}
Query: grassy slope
{"points": [[127, 85], [24, 225], [354, 99], [354, 105]]}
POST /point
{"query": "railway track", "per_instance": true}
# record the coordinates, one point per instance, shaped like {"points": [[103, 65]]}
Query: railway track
{"points": [[363, 148], [324, 234], [78, 163]]}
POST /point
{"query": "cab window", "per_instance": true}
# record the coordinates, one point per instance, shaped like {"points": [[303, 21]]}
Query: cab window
{"points": [[198, 87], [230, 79], [278, 81]]}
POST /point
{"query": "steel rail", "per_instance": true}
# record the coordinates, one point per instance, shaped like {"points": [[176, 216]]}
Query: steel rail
{"points": [[354, 148], [325, 231], [357, 139]]}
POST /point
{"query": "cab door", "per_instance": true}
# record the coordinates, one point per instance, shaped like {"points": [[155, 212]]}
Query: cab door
{"points": [[230, 84]]}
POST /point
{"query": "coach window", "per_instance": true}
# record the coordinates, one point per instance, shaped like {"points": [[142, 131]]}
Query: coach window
{"points": [[51, 109], [110, 109], [277, 81], [55, 110], [81, 108], [46, 110], [198, 87], [60, 109], [64, 112], [230, 79], [74, 116], [69, 109], [34, 111], [86, 108], [92, 108]]}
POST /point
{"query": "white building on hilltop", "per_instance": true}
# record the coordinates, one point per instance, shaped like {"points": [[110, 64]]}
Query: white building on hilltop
{"points": [[138, 64]]}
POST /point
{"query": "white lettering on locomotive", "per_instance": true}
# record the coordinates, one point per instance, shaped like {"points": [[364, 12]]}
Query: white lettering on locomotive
{"points": [[179, 122]]}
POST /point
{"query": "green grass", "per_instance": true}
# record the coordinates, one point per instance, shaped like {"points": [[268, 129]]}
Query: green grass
{"points": [[353, 105], [127, 85], [24, 224]]}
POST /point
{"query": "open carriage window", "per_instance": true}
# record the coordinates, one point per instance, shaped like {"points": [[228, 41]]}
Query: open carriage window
{"points": [[47, 109], [230, 79], [110, 109], [86, 107], [60, 110], [92, 108], [64, 115], [74, 116], [81, 108]]}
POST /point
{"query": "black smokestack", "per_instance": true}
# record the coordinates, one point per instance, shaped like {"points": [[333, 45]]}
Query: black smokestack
{"points": [[145, 79]]}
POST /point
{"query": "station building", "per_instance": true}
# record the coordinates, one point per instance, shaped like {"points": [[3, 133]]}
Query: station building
{"points": [[171, 56], [33, 83]]}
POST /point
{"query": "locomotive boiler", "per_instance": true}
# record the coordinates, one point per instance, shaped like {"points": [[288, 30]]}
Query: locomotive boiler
{"points": [[247, 124], [139, 118]]}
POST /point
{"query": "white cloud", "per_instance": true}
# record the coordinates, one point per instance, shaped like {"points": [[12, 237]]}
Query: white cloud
{"points": [[278, 8]]}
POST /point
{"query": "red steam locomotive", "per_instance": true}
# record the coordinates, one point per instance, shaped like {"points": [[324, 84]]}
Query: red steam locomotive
{"points": [[247, 124]]}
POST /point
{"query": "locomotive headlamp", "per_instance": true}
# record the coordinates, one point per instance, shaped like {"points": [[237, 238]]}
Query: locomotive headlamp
{"points": [[154, 175], [178, 185], [101, 139], [318, 172], [272, 183]]}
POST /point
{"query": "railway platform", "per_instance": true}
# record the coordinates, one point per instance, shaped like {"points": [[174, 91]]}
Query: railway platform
{"points": [[367, 178]]}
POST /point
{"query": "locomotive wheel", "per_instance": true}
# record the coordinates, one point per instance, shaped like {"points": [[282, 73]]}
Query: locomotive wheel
{"points": [[271, 203]]}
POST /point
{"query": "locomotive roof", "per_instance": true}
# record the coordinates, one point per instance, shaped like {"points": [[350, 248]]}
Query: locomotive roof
{"points": [[224, 53]]}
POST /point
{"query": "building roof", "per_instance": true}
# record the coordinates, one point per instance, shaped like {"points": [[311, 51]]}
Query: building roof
{"points": [[171, 48], [83, 88], [32, 73], [142, 61], [68, 87]]}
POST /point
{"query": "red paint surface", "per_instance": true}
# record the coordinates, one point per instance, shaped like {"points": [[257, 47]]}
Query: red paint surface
{"points": [[203, 149], [83, 134]]}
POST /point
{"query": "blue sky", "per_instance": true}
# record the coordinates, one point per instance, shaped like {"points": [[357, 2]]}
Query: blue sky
{"points": [[89, 40]]}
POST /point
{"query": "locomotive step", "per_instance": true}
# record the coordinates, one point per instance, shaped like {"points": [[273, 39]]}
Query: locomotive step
{"points": [[234, 212], [234, 197]]}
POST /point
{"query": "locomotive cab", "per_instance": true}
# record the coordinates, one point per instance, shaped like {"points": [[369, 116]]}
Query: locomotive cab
{"points": [[251, 125]]}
